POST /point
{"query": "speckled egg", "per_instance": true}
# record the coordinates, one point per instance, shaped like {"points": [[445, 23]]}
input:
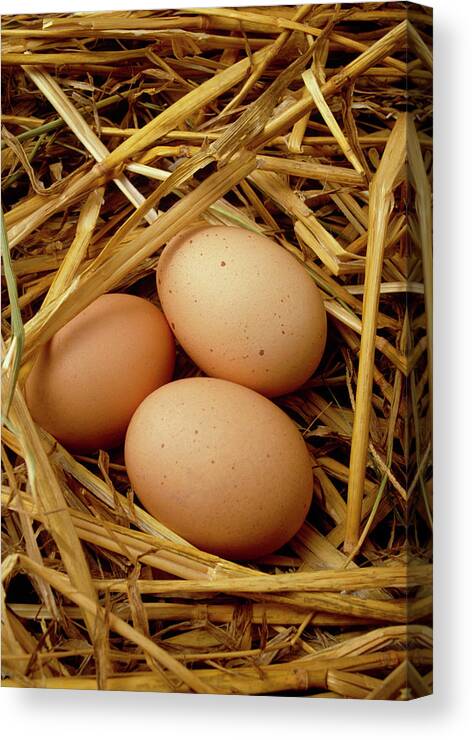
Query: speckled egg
{"points": [[220, 465], [242, 307], [91, 376]]}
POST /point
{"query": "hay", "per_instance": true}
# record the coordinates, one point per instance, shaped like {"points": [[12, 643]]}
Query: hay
{"points": [[312, 125]]}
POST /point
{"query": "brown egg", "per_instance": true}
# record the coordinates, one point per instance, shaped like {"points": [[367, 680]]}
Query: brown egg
{"points": [[92, 375], [220, 465], [242, 307]]}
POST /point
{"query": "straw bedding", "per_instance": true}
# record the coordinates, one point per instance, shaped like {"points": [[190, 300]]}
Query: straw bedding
{"points": [[310, 124]]}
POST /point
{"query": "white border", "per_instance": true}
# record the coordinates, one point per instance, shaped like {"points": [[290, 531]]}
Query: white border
{"points": [[46, 714]]}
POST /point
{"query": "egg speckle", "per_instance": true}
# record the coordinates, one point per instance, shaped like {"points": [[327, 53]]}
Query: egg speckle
{"points": [[89, 379], [233, 475], [262, 304]]}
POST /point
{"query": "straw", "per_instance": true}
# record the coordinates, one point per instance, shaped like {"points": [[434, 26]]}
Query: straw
{"points": [[380, 206], [77, 124], [314, 89], [420, 182]]}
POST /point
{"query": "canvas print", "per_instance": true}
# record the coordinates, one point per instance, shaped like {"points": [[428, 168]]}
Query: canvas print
{"points": [[217, 350]]}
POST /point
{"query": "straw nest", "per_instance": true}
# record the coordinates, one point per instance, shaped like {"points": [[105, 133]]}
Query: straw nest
{"points": [[311, 124]]}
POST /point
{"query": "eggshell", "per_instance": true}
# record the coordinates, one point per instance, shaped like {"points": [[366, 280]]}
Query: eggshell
{"points": [[220, 465], [92, 375], [242, 307]]}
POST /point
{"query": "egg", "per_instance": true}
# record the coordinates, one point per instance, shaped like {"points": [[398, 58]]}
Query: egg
{"points": [[91, 376], [220, 465], [242, 307]]}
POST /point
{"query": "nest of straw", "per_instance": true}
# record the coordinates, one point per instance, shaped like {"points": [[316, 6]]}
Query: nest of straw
{"points": [[311, 124]]}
